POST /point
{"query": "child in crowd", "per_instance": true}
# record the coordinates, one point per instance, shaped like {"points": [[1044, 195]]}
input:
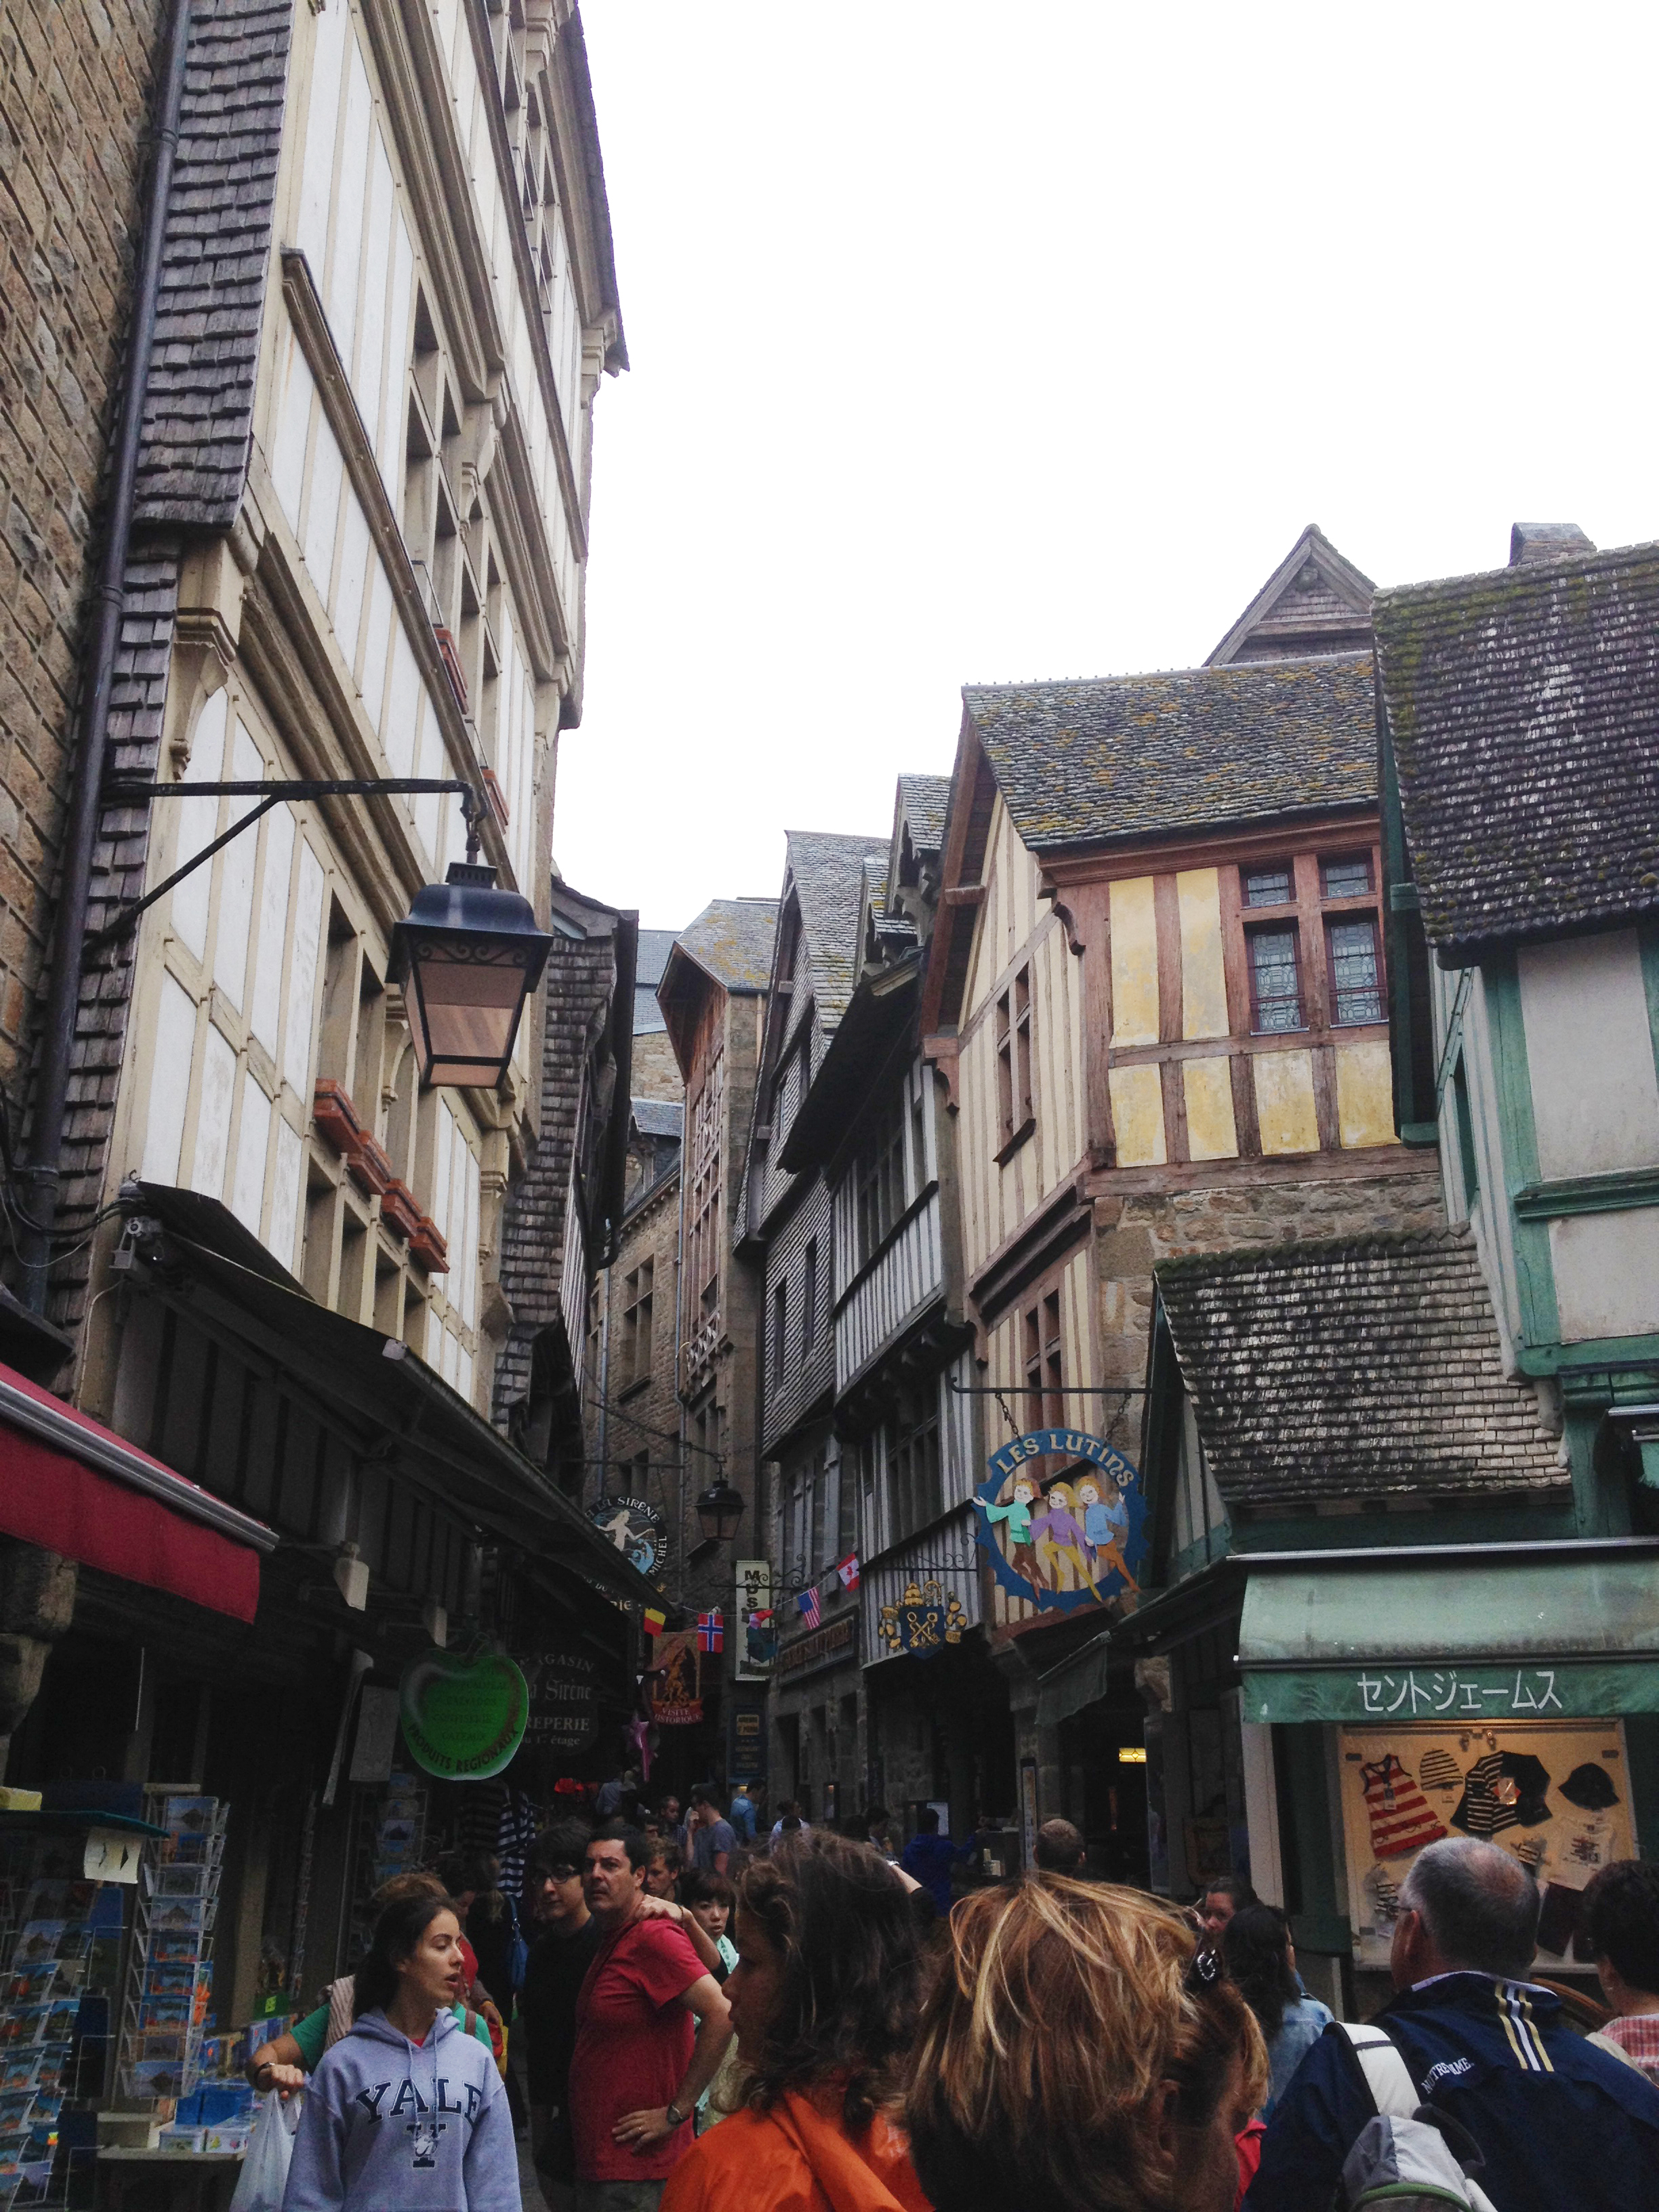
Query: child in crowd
{"points": [[709, 1899]]}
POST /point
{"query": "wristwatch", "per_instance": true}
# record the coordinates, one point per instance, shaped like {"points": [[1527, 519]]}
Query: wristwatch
{"points": [[675, 2118]]}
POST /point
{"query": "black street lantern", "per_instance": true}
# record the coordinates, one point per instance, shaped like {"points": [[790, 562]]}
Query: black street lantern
{"points": [[719, 1508], [468, 956]]}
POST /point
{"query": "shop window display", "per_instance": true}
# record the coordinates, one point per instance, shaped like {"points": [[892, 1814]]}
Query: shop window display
{"points": [[1555, 1796]]}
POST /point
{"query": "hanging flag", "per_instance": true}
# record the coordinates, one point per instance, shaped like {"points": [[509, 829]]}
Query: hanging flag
{"points": [[711, 1630], [760, 1619], [654, 1622], [848, 1572], [807, 1602]]}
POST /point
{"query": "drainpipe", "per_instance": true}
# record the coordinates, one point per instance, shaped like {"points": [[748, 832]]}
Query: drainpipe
{"points": [[679, 1324], [41, 1173]]}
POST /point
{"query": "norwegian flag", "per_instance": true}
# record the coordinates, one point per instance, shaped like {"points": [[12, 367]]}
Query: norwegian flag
{"points": [[848, 1572], [711, 1630], [808, 1604]]}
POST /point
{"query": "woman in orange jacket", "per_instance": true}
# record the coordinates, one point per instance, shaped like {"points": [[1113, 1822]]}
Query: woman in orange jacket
{"points": [[824, 2000]]}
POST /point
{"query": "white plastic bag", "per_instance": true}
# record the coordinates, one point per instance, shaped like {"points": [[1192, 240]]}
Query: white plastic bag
{"points": [[264, 2176]]}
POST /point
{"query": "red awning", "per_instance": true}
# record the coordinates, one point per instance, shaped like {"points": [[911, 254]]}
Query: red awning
{"points": [[71, 1485]]}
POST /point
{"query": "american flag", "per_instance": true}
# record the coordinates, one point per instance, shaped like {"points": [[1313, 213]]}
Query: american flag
{"points": [[808, 1603], [711, 1630]]}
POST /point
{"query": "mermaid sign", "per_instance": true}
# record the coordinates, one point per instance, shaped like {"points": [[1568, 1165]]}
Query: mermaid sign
{"points": [[1068, 1542]]}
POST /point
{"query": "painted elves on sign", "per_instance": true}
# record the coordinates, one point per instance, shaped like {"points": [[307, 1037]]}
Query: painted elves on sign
{"points": [[1063, 1538], [1017, 1513], [1105, 1525]]}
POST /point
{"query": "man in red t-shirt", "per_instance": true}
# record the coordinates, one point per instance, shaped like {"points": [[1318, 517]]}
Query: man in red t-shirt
{"points": [[640, 2064]]}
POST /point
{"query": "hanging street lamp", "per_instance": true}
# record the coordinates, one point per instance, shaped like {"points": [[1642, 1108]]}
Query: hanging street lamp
{"points": [[719, 1508], [468, 956]]}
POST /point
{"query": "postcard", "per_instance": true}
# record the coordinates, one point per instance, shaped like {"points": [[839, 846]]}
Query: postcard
{"points": [[39, 1940], [172, 1915], [156, 2077]]}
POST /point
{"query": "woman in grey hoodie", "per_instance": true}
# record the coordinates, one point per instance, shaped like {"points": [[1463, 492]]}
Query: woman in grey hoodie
{"points": [[407, 2110]]}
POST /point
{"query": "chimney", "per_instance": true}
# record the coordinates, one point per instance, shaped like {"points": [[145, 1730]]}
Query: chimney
{"points": [[1545, 541]]}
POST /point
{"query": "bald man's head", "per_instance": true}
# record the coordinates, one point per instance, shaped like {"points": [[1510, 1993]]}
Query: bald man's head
{"points": [[1474, 1907]]}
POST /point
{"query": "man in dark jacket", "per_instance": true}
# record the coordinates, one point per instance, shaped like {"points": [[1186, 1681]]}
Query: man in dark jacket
{"points": [[561, 1952], [1558, 2122]]}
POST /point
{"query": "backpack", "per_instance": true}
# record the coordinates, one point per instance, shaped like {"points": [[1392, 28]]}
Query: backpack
{"points": [[1410, 2158]]}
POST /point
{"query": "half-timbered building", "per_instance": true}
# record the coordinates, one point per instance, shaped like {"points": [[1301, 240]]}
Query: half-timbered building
{"points": [[290, 1275], [714, 999], [932, 1713], [1157, 985]]}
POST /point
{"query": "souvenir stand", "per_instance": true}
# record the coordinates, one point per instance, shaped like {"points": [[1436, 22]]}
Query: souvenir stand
{"points": [[110, 2064], [65, 1878]]}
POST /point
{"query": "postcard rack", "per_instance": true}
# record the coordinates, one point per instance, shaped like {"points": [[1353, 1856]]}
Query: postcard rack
{"points": [[169, 1965], [60, 1937]]}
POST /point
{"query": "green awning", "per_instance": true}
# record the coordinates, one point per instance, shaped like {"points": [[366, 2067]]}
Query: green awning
{"points": [[1081, 1680], [1462, 1639]]}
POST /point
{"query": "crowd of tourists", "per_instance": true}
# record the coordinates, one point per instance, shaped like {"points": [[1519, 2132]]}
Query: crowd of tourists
{"points": [[715, 2016]]}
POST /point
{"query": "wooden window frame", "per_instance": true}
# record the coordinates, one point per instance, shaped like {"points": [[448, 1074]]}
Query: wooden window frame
{"points": [[1044, 1362], [638, 1300], [1329, 860], [1291, 929], [1015, 1092], [1247, 869], [915, 1465], [809, 1296], [1344, 917]]}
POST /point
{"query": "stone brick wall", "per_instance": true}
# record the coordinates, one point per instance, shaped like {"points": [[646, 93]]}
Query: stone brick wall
{"points": [[656, 1072], [643, 1416], [1134, 1233], [76, 87]]}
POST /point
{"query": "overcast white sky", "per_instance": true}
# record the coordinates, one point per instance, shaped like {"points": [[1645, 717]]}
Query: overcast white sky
{"points": [[977, 341]]}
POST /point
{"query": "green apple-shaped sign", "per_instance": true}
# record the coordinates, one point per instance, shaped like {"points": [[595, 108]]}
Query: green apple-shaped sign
{"points": [[462, 1717]]}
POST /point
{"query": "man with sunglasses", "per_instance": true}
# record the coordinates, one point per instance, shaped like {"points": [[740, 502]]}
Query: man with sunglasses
{"points": [[562, 1943]]}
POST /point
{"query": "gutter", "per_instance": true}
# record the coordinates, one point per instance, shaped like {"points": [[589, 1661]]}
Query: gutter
{"points": [[42, 1171]]}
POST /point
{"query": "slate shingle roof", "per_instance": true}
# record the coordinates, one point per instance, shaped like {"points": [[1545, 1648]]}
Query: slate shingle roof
{"points": [[1523, 710], [924, 802], [828, 876], [1130, 756], [655, 946], [1358, 1368], [198, 405], [733, 939], [659, 1117]]}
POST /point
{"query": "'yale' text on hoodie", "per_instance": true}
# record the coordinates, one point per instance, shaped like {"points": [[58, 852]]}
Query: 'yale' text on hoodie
{"points": [[423, 2127]]}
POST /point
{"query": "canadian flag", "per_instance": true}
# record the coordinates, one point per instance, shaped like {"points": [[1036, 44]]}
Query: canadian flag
{"points": [[848, 1572]]}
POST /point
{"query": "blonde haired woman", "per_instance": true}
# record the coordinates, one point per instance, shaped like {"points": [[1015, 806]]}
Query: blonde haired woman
{"points": [[1079, 2053]]}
